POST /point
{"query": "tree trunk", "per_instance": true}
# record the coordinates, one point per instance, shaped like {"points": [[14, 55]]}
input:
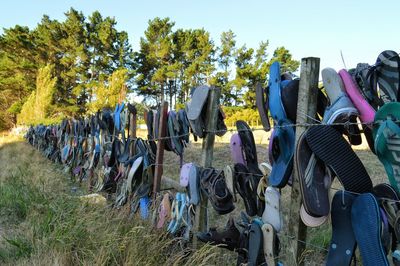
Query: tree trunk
{"points": [[162, 92], [170, 96]]}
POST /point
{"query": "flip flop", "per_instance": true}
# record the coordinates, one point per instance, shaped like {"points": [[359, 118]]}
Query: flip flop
{"points": [[194, 185], [269, 244], [195, 108], [134, 172], [367, 226], [248, 143], [387, 139], [386, 235], [387, 71], [343, 242], [164, 211], [327, 143], [173, 130], [243, 249], [388, 199], [236, 149], [282, 139], [184, 174], [283, 144], [144, 204], [122, 194], [311, 221], [272, 213], [273, 149], [262, 106], [262, 186], [180, 207], [184, 126], [245, 187], [363, 76], [274, 86], [265, 168], [117, 116], [396, 226], [256, 250], [289, 99], [314, 179], [366, 112], [229, 178], [174, 213]]}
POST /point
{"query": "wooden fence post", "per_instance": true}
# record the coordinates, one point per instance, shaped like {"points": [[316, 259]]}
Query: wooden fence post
{"points": [[162, 132], [201, 218], [306, 108], [132, 129]]}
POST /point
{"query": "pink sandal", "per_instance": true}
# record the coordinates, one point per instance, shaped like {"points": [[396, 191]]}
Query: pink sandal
{"points": [[367, 113], [164, 211]]}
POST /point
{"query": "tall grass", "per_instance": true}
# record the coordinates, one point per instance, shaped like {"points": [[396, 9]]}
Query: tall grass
{"points": [[43, 223]]}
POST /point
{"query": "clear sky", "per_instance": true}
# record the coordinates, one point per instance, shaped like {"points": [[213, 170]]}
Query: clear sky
{"points": [[361, 29]]}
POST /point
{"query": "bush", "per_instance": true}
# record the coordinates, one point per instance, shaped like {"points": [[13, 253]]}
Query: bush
{"points": [[235, 113]]}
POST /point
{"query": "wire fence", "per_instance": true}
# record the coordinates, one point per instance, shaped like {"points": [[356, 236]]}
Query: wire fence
{"points": [[287, 124]]}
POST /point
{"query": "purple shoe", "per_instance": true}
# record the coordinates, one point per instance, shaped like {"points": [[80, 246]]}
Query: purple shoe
{"points": [[236, 149]]}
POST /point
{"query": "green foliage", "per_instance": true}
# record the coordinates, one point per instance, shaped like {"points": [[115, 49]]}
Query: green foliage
{"points": [[39, 105], [93, 66], [225, 58], [108, 95], [171, 62], [84, 52], [235, 113], [253, 66], [155, 58], [26, 116]]}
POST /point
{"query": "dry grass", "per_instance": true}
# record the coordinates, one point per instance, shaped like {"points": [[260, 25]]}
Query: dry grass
{"points": [[42, 222]]}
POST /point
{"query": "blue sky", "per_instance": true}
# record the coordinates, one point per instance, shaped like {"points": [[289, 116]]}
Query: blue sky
{"points": [[361, 29]]}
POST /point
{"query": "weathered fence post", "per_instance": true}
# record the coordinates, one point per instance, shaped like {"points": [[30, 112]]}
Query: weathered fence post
{"points": [[132, 129], [207, 158], [306, 108], [162, 132]]}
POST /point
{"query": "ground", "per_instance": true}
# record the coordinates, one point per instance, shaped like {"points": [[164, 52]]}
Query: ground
{"points": [[43, 222]]}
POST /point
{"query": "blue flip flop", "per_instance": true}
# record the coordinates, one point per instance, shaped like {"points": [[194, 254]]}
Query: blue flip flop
{"points": [[180, 208], [144, 204], [117, 116], [367, 228], [284, 135], [343, 242], [274, 85], [283, 163]]}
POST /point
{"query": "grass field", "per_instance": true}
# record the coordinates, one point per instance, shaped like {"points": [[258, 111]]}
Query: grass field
{"points": [[43, 222]]}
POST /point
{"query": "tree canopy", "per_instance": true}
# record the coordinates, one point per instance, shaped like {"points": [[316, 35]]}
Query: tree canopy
{"points": [[81, 64]]}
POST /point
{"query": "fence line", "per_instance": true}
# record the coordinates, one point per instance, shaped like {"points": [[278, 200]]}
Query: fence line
{"points": [[235, 130], [300, 114]]}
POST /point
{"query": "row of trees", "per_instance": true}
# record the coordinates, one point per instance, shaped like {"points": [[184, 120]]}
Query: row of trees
{"points": [[81, 53], [81, 64], [170, 63]]}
